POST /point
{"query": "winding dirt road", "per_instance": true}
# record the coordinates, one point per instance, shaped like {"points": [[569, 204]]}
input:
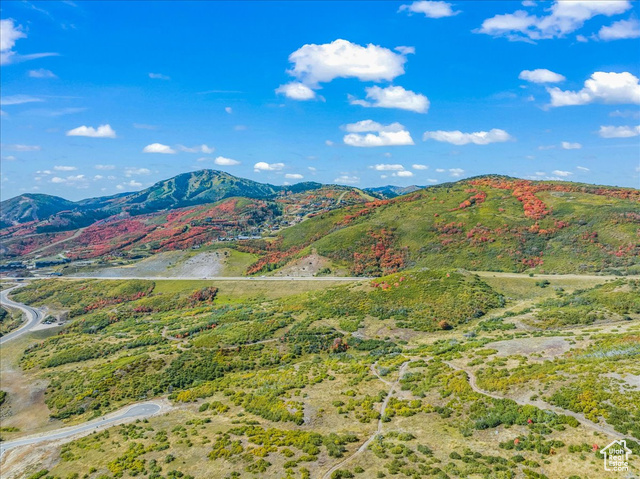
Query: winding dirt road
{"points": [[365, 445]]}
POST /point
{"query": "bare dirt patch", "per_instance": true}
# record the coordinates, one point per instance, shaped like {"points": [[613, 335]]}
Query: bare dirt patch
{"points": [[547, 347]]}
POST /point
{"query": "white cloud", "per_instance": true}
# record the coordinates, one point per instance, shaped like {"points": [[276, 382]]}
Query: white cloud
{"points": [[383, 138], [293, 176], [132, 171], [159, 76], [296, 91], [541, 75], [98, 177], [18, 100], [625, 114], [602, 87], [405, 50], [328, 143], [430, 9], [9, 158], [314, 64], [619, 131], [440, 170], [41, 73], [9, 33], [222, 161], [64, 168], [570, 146], [387, 167], [264, 166], [347, 179], [312, 168], [370, 125], [393, 97], [419, 167], [456, 172], [23, 147], [459, 138], [105, 167], [620, 30], [69, 180], [404, 173], [564, 17], [562, 173], [197, 149], [158, 148], [103, 131], [57, 179], [432, 180], [129, 184], [228, 109], [582, 168]]}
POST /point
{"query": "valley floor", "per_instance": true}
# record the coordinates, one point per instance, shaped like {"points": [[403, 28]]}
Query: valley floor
{"points": [[534, 387]]}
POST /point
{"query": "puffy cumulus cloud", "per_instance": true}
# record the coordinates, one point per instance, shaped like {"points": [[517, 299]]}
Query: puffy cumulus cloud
{"points": [[18, 99], [103, 131], [619, 131], [222, 161], [602, 87], [129, 184], [457, 137], [620, 30], [570, 146], [134, 171], [158, 148], [393, 134], [105, 167], [296, 91], [264, 166], [562, 173], [370, 125], [207, 150], [10, 32], [393, 97], [419, 167], [314, 64], [456, 172], [387, 167], [41, 73], [430, 9], [383, 138], [293, 176], [78, 181], [563, 17], [403, 173], [64, 168], [159, 76], [347, 179], [541, 75]]}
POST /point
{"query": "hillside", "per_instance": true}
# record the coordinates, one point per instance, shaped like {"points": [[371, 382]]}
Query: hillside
{"points": [[487, 223], [490, 223], [31, 207]]}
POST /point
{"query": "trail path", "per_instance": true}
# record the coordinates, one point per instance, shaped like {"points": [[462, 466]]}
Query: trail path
{"points": [[365, 445]]}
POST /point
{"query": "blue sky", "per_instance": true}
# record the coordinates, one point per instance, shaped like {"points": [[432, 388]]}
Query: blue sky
{"points": [[104, 97]]}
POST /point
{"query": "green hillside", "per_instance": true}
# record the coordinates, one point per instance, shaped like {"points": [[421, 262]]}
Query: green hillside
{"points": [[487, 223]]}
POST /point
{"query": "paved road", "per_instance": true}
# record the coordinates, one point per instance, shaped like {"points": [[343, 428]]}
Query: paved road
{"points": [[137, 411], [215, 278], [33, 316]]}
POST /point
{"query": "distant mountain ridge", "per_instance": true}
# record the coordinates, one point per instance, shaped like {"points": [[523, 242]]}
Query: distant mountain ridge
{"points": [[187, 189], [391, 191]]}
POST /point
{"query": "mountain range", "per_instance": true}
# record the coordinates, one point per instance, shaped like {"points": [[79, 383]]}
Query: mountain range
{"points": [[489, 223]]}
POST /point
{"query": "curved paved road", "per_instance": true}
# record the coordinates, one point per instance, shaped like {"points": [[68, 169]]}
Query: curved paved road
{"points": [[34, 316], [137, 411]]}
